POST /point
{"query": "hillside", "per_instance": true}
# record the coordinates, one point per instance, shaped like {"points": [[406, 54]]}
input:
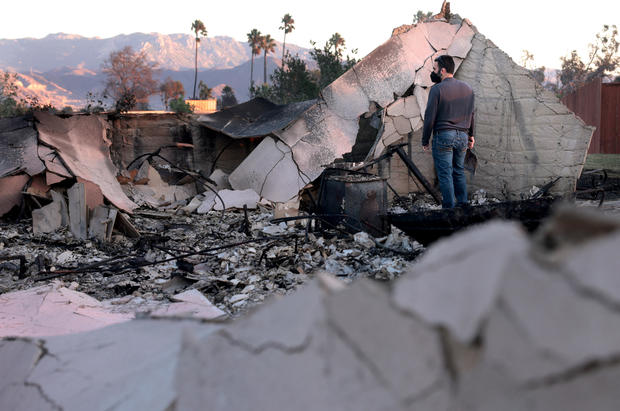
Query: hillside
{"points": [[62, 68], [170, 51]]}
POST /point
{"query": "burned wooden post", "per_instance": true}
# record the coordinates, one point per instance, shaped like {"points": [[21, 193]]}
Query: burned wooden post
{"points": [[416, 172]]}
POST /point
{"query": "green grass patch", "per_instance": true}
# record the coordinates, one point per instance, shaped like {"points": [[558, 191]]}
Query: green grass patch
{"points": [[610, 162]]}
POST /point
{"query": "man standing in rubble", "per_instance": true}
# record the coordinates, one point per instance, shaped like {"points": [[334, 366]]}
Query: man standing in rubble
{"points": [[449, 117]]}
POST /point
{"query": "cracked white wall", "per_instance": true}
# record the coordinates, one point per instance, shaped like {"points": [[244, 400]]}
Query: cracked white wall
{"points": [[524, 135]]}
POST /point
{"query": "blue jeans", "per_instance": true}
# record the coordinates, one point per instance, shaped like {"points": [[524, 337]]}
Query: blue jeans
{"points": [[449, 147]]}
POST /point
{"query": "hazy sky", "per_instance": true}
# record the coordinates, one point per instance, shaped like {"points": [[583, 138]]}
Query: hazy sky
{"points": [[547, 28]]}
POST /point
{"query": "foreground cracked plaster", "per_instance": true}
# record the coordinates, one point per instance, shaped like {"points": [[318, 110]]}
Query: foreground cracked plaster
{"points": [[20, 356], [547, 342], [318, 349], [447, 287], [127, 366]]}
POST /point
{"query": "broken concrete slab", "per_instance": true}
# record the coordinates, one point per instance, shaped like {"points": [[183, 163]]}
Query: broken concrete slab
{"points": [[416, 47], [47, 219], [64, 211], [385, 71], [53, 162], [411, 107], [21, 356], [324, 356], [423, 75], [92, 194], [220, 178], [587, 267], [345, 96], [402, 125], [419, 365], [270, 171], [208, 202], [421, 95], [237, 199], [192, 304], [124, 366], [82, 143], [11, 192], [193, 205], [565, 332], [101, 223], [524, 135], [18, 147], [461, 298], [461, 44], [78, 211], [52, 310], [440, 34]]}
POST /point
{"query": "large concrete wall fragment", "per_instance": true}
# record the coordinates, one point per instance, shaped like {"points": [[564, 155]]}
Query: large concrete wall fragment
{"points": [[524, 135], [328, 129]]}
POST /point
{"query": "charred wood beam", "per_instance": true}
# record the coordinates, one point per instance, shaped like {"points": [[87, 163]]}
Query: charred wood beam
{"points": [[132, 263], [417, 173], [22, 263]]}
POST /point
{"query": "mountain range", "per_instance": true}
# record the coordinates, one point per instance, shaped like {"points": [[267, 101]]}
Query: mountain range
{"points": [[62, 68]]}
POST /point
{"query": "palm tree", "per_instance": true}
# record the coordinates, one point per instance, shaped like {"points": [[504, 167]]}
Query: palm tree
{"points": [[268, 45], [204, 91], [337, 41], [287, 26], [199, 30], [254, 40]]}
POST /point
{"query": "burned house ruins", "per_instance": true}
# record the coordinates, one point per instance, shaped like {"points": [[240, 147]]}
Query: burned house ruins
{"points": [[246, 259]]}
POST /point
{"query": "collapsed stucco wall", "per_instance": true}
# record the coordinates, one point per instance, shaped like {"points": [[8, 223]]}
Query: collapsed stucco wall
{"points": [[525, 136]]}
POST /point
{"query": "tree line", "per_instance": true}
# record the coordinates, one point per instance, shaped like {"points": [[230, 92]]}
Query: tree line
{"points": [[603, 61], [293, 81], [130, 76]]}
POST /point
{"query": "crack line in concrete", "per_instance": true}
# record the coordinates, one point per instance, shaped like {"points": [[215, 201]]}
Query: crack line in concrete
{"points": [[422, 395], [573, 373], [262, 187], [43, 395], [360, 355], [292, 350], [514, 320], [591, 294]]}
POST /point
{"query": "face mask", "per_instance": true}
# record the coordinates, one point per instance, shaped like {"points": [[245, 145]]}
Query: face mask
{"points": [[435, 78]]}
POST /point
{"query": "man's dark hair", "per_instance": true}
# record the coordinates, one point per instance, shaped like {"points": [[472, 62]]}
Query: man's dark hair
{"points": [[446, 62]]}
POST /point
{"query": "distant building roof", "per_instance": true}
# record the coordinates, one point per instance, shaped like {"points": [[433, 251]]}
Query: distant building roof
{"points": [[255, 118]]}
